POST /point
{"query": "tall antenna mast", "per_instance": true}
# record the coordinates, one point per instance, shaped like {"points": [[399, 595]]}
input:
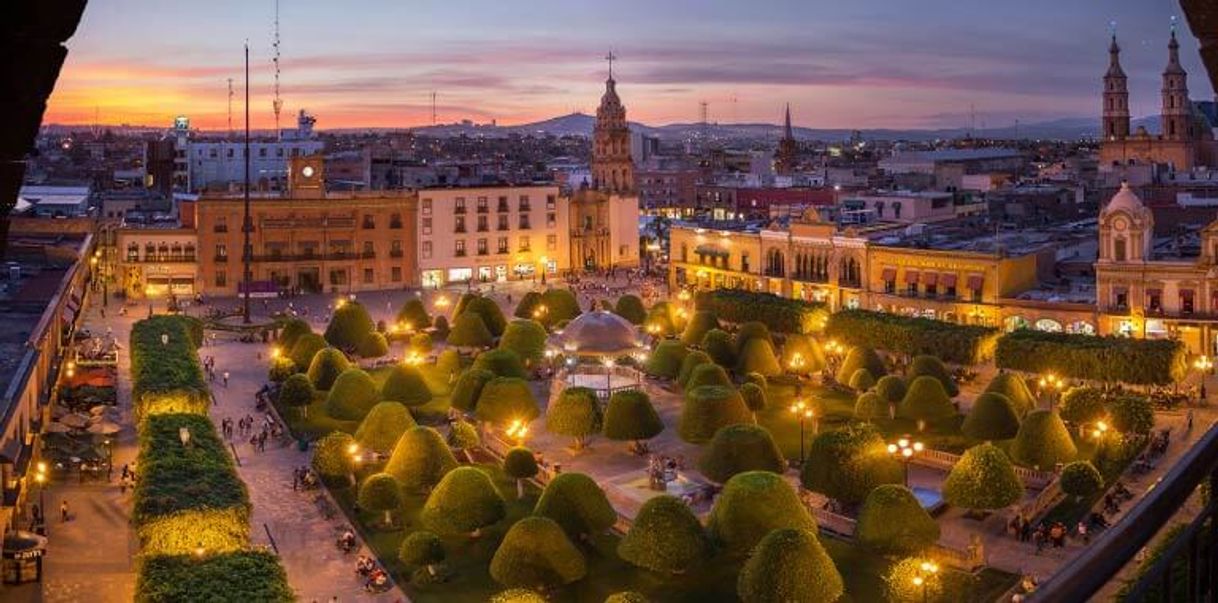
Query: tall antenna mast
{"points": [[230, 107], [278, 102], [433, 107]]}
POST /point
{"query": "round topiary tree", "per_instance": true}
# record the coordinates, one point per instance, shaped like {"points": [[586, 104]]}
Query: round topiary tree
{"points": [[348, 325], [692, 360], [470, 332], [422, 549], [297, 392], [560, 304], [926, 402], [759, 380], [860, 357], [791, 566], [701, 323], [306, 347], [468, 388], [464, 502], [752, 505], [719, 346], [754, 398], [993, 417], [861, 380], [325, 368], [333, 458], [528, 303], [353, 395], [931, 366], [891, 389], [907, 582], [757, 356], [520, 464], [662, 320], [506, 399], [707, 373], [420, 459], [1131, 415], [372, 345], [380, 493], [871, 407], [1015, 389], [709, 408], [448, 363], [1082, 405], [383, 426], [405, 384], [526, 338], [536, 552], [518, 595], [575, 414], [740, 448], [847, 464], [1043, 441], [463, 437], [631, 308], [293, 330], [489, 312], [281, 368], [665, 537], [983, 479], [665, 361], [578, 504], [893, 522], [630, 417], [1081, 479], [413, 315], [440, 329], [501, 362], [802, 355]]}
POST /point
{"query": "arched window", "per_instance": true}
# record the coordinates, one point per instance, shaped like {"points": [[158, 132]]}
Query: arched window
{"points": [[1048, 325], [1118, 249]]}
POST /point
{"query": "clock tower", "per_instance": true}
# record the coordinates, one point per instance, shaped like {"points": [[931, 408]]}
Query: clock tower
{"points": [[306, 176]]}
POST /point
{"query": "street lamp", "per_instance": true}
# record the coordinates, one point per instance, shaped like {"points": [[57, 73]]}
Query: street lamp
{"points": [[1204, 364], [904, 449], [804, 412], [517, 430], [608, 376], [550, 354], [1050, 383], [797, 363], [1101, 430], [926, 571], [540, 312], [40, 477]]}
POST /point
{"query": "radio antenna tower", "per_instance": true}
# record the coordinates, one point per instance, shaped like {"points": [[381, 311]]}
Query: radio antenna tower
{"points": [[230, 107], [278, 102]]}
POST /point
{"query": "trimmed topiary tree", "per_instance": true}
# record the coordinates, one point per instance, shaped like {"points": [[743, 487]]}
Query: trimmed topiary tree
{"points": [[752, 505], [448, 363], [701, 323], [536, 552], [468, 388], [561, 305], [332, 458], [665, 361], [692, 360], [440, 330], [757, 356], [281, 368], [506, 399], [526, 338], [528, 303], [740, 448], [791, 566], [489, 312], [520, 464], [306, 347], [420, 459], [420, 343], [1043, 441], [719, 347], [1081, 479], [575, 414], [578, 504], [518, 595], [754, 398], [861, 380], [993, 417], [847, 464], [297, 392], [1015, 389], [470, 332], [926, 401], [665, 537], [353, 395], [871, 407], [662, 319], [752, 330], [463, 437], [383, 426], [422, 549], [931, 366], [891, 389], [707, 373], [325, 368], [1131, 415], [802, 355], [983, 479], [293, 330], [630, 417], [372, 345], [405, 384], [900, 585], [380, 493], [464, 502], [631, 308], [626, 597], [501, 362], [348, 326], [414, 315], [860, 357], [893, 522], [1082, 405], [709, 408]]}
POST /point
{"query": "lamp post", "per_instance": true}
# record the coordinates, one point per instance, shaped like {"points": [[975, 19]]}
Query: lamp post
{"points": [[803, 412], [608, 376], [904, 450], [517, 430], [1051, 384], [109, 459], [926, 571], [833, 351], [550, 353], [543, 262], [40, 478]]}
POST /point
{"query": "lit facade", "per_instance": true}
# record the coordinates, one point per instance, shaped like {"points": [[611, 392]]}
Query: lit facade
{"points": [[157, 262]]}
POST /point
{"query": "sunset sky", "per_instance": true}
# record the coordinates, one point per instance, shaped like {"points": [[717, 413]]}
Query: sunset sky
{"points": [[858, 64]]}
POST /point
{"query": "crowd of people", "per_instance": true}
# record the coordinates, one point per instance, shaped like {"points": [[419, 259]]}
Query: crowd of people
{"points": [[1053, 534]]}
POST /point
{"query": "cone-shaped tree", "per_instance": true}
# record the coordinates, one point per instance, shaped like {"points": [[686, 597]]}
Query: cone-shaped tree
{"points": [[847, 464], [413, 313], [463, 303], [892, 521], [296, 392], [1015, 389], [501, 362], [526, 338], [463, 437], [527, 304], [719, 346], [926, 400], [420, 459], [861, 380], [506, 399], [405, 384], [631, 308], [739, 448], [870, 407], [577, 504], [752, 505], [931, 366], [292, 331], [709, 408], [520, 464], [665, 537], [757, 356], [382, 427], [860, 357], [468, 388], [891, 389], [692, 360], [759, 380], [306, 347], [422, 549], [698, 326], [1081, 405], [348, 326], [380, 493], [281, 369], [1081, 479], [353, 395], [448, 363], [631, 417], [326, 366], [575, 414], [464, 502], [420, 343], [535, 552], [802, 355], [332, 456], [1043, 441], [560, 304], [665, 361], [791, 566], [518, 595], [663, 318], [752, 330], [983, 479], [754, 398], [470, 332], [441, 330], [372, 345], [993, 417], [707, 373], [489, 312]]}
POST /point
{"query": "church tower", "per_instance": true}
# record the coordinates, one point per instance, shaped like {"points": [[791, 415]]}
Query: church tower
{"points": [[1116, 96], [1177, 109], [786, 155], [612, 169]]}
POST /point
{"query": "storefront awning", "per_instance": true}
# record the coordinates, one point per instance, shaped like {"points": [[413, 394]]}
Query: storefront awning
{"points": [[975, 281], [949, 280], [911, 277], [931, 279]]}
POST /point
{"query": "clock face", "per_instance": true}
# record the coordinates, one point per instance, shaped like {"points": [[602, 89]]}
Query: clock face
{"points": [[307, 171]]}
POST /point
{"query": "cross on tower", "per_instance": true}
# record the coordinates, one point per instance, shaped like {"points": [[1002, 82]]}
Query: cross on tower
{"points": [[610, 57]]}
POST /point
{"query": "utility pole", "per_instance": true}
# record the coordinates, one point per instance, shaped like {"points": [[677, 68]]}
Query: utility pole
{"points": [[245, 224]]}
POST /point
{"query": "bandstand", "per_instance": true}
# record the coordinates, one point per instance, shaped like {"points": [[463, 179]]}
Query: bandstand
{"points": [[599, 350]]}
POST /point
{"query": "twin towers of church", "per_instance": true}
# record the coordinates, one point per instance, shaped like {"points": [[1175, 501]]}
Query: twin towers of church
{"points": [[1177, 111]]}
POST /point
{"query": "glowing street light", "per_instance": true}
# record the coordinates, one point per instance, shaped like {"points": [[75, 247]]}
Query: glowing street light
{"points": [[517, 430], [803, 412], [276, 352], [904, 449], [1051, 384], [1101, 430], [926, 571], [1204, 364]]}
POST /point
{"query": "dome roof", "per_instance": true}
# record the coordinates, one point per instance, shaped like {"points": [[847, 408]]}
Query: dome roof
{"points": [[1125, 200], [598, 333]]}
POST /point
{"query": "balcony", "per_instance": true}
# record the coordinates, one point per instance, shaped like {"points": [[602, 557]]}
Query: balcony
{"points": [[460, 253], [459, 229], [395, 224], [459, 210], [221, 259], [220, 228], [368, 225], [482, 209], [395, 253], [484, 228], [850, 283], [503, 208], [368, 255], [526, 207]]}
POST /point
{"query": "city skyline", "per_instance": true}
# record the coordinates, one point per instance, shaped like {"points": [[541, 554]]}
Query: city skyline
{"points": [[834, 64]]}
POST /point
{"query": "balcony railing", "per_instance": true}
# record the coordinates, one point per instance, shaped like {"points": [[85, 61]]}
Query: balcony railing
{"points": [[220, 228], [368, 255], [220, 259], [395, 253], [395, 224], [459, 229], [459, 209]]}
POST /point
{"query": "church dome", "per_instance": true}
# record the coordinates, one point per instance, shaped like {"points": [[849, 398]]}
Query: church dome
{"points": [[598, 333], [1125, 200]]}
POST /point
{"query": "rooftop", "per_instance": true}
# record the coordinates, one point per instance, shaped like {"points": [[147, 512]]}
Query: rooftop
{"points": [[953, 155]]}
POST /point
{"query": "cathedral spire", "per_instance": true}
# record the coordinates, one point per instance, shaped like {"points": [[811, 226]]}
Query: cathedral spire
{"points": [[1173, 53], [1116, 95], [786, 129], [612, 169]]}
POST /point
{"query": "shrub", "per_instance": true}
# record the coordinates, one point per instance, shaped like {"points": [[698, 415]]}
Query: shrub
{"points": [[1081, 479], [520, 464], [870, 406], [440, 331], [701, 323], [749, 331], [707, 373], [993, 417], [663, 317], [893, 522], [281, 369], [561, 305], [488, 311], [754, 397], [501, 362], [420, 459], [526, 338], [296, 392], [372, 345], [757, 379], [528, 303], [707, 409], [1125, 359], [414, 314], [405, 384], [983, 479], [306, 347], [860, 358], [861, 380], [380, 493], [1082, 405], [293, 330], [1043, 441], [325, 368], [931, 366], [517, 595], [926, 400], [576, 503], [422, 548], [250, 575], [665, 537], [740, 448], [631, 417], [332, 456], [802, 355], [626, 597], [505, 399], [900, 587], [891, 388], [348, 326], [631, 308], [692, 360], [790, 565], [353, 395], [464, 502], [1016, 390], [468, 389], [166, 377], [757, 356], [955, 343], [752, 505], [847, 464], [536, 552], [1131, 414], [462, 435], [779, 314], [383, 426], [420, 343], [448, 363], [470, 332], [575, 413], [719, 347], [665, 361]]}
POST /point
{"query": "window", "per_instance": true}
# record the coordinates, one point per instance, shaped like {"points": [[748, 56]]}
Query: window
{"points": [[460, 224], [230, 153], [279, 152], [426, 207], [426, 226], [524, 221], [524, 203], [395, 221], [503, 222], [133, 253], [482, 248], [221, 278], [395, 248], [459, 250], [369, 222], [426, 249], [503, 245], [482, 207], [551, 242], [1118, 250], [221, 252], [221, 224], [503, 204], [262, 151], [459, 206], [551, 220], [890, 286], [744, 262], [524, 244], [1154, 300], [395, 274], [368, 276], [369, 250], [482, 224], [551, 202], [338, 277]]}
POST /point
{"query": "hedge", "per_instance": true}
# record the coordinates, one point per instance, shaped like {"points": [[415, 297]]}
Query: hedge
{"points": [[631, 417], [701, 323], [575, 414], [292, 331], [348, 326], [931, 366], [1043, 441], [953, 343], [281, 368], [780, 314], [506, 399], [560, 305], [719, 346], [464, 502], [420, 459], [469, 331], [405, 384], [860, 357], [983, 479], [1081, 479], [665, 361], [847, 464], [1015, 389], [757, 356], [752, 505], [528, 302], [1123, 359], [891, 388], [631, 308], [166, 377], [992, 417], [692, 360], [306, 347], [926, 400], [468, 388], [237, 576], [502, 362], [353, 395], [326, 366], [707, 373], [380, 493], [488, 311], [383, 426], [527, 338], [414, 313]]}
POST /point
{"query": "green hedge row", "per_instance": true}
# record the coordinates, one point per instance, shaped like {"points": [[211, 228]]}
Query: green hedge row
{"points": [[239, 576], [1124, 359], [166, 376], [950, 342], [780, 314]]}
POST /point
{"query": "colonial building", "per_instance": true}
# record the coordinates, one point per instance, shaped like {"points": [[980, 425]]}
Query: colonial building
{"points": [[158, 261]]}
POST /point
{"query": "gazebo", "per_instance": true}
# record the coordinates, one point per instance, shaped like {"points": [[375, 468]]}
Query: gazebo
{"points": [[592, 344]]}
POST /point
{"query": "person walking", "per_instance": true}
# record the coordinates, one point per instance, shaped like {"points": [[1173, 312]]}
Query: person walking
{"points": [[225, 378], [63, 511]]}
